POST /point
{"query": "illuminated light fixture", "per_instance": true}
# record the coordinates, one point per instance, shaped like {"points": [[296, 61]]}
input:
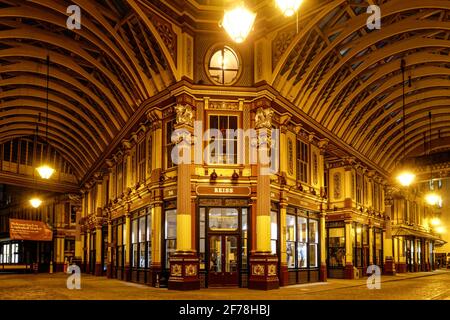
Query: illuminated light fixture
{"points": [[435, 221], [405, 178], [433, 199], [45, 171], [440, 230], [35, 202], [238, 22], [289, 7]]}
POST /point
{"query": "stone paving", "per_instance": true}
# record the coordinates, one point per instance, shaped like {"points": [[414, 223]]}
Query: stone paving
{"points": [[417, 286]]}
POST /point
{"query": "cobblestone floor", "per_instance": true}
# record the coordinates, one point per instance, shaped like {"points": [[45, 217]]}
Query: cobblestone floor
{"points": [[422, 285]]}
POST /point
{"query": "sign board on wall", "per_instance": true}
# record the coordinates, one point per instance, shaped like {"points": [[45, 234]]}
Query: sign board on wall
{"points": [[29, 230]]}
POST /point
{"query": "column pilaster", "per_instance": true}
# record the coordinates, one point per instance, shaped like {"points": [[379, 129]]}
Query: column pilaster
{"points": [[263, 264], [348, 270], [184, 263], [389, 264]]}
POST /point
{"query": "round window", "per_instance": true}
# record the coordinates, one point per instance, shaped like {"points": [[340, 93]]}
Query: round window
{"points": [[223, 66]]}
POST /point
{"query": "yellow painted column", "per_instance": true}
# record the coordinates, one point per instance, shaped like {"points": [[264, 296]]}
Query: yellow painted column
{"points": [[156, 235], [389, 265], [284, 274], [109, 261], [98, 251], [263, 264], [348, 271], [88, 251], [184, 208], [371, 243], [184, 263], [323, 251], [127, 245], [78, 240]]}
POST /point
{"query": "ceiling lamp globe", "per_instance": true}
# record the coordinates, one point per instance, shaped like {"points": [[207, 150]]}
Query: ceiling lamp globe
{"points": [[45, 171], [35, 202], [406, 178], [289, 7], [238, 22]]}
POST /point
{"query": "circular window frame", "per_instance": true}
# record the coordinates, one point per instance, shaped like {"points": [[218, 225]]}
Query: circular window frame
{"points": [[211, 51]]}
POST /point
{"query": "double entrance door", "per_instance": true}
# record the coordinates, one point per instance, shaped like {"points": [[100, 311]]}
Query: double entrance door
{"points": [[223, 259], [223, 241]]}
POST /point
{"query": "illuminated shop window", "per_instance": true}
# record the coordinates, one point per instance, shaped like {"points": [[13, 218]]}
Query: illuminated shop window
{"points": [[170, 234], [223, 66]]}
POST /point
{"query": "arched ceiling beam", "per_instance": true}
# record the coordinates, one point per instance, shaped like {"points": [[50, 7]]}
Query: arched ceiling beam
{"points": [[75, 157], [23, 107], [356, 47], [18, 122], [29, 33], [98, 40], [34, 93], [378, 146], [28, 66], [29, 81], [360, 142], [345, 129], [386, 70], [413, 43], [387, 160]]}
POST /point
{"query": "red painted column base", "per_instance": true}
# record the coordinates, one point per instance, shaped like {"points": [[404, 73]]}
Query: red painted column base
{"points": [[389, 267], [401, 267], [109, 271], [348, 271], [98, 269], [127, 271], [154, 276], [263, 271], [184, 266], [284, 276], [323, 273]]}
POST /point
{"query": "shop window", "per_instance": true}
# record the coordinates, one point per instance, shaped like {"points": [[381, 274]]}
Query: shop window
{"points": [[223, 144], [149, 238], [7, 151], [170, 234], [313, 239], [357, 235], [273, 231], [202, 241], [134, 244], [290, 240], [378, 252], [223, 67], [244, 238], [221, 219], [302, 242], [302, 161], [336, 247], [170, 128]]}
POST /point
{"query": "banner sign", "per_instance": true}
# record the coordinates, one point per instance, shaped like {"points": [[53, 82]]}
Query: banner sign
{"points": [[29, 230]]}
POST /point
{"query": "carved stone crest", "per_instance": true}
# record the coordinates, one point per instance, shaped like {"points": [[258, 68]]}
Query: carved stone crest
{"points": [[185, 115], [263, 118]]}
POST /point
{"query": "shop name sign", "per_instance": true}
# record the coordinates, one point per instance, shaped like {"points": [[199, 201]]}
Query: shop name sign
{"points": [[29, 230], [223, 190]]}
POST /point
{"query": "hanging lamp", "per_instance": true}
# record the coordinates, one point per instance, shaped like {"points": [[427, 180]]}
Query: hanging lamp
{"points": [[45, 170]]}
